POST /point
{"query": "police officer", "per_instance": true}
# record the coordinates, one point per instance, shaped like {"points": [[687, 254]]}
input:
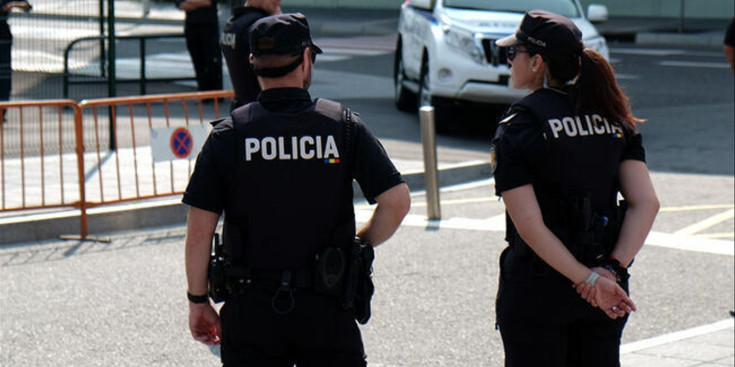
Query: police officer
{"points": [[6, 43], [281, 170], [236, 48], [201, 29], [561, 157], [729, 44]]}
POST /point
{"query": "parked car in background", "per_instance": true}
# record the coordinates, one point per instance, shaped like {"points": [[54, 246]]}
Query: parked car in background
{"points": [[446, 54]]}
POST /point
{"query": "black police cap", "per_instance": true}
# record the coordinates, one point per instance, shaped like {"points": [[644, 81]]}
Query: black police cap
{"points": [[550, 32], [281, 34]]}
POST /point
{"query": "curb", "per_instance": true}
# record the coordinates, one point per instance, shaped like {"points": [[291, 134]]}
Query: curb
{"points": [[708, 39], [157, 213]]}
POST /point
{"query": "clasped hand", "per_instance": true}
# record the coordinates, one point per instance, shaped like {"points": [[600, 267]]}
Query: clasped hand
{"points": [[606, 294]]}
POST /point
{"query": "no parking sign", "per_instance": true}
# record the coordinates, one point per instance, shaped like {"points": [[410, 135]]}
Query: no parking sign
{"points": [[183, 142]]}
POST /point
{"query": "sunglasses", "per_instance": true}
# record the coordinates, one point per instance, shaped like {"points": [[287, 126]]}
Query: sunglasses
{"points": [[513, 52]]}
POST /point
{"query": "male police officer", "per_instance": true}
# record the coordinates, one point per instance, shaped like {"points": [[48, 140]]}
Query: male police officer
{"points": [[236, 48], [201, 28], [281, 169]]}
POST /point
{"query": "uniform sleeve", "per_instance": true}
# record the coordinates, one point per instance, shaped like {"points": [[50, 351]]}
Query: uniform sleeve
{"points": [[373, 170], [213, 172], [634, 149], [513, 145]]}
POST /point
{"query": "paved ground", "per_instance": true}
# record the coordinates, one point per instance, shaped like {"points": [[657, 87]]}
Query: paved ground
{"points": [[121, 303]]}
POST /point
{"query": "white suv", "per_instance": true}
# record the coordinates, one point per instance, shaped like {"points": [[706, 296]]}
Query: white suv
{"points": [[446, 52]]}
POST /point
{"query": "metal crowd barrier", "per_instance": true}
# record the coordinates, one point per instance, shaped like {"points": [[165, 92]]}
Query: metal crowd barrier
{"points": [[60, 153], [99, 75]]}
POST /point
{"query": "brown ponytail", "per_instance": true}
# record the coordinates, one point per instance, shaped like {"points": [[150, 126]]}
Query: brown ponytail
{"points": [[597, 90]]}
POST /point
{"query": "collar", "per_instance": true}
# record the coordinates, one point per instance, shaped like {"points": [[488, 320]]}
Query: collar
{"points": [[240, 10], [285, 99]]}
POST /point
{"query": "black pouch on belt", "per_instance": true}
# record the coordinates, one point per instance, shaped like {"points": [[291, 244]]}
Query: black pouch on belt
{"points": [[330, 271]]}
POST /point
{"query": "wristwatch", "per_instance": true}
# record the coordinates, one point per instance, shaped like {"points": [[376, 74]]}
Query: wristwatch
{"points": [[613, 266]]}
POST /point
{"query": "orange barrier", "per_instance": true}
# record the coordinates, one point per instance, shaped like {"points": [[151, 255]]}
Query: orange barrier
{"points": [[39, 155], [108, 142]]}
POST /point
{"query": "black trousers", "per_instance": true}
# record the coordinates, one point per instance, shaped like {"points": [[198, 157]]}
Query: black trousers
{"points": [[6, 68], [317, 332], [544, 322], [202, 41]]}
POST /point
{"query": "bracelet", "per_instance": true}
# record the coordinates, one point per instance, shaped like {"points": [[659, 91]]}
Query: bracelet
{"points": [[592, 278], [197, 299]]}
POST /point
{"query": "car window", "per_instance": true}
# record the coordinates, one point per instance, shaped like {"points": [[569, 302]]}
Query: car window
{"points": [[566, 8]]}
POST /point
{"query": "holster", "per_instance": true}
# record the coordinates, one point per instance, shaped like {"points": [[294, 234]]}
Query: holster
{"points": [[589, 236], [359, 288]]}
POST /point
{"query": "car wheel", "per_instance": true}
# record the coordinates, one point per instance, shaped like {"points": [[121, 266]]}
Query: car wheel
{"points": [[405, 99], [425, 99]]}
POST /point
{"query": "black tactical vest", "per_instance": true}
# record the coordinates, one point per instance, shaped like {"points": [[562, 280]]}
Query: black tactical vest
{"points": [[577, 162], [292, 193]]}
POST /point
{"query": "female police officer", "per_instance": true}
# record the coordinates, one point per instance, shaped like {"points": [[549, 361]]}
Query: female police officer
{"points": [[561, 156]]}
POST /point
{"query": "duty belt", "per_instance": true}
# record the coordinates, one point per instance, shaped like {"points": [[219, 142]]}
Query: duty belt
{"points": [[281, 282], [271, 278]]}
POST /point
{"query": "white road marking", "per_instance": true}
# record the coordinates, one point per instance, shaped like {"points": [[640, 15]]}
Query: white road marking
{"points": [[695, 64], [676, 336], [646, 52], [707, 223]]}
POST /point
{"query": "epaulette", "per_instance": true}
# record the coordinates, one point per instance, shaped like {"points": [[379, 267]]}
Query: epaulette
{"points": [[221, 124], [508, 118]]}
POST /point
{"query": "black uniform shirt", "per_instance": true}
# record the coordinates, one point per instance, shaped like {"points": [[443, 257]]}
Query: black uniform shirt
{"points": [[730, 34], [544, 143], [284, 183], [235, 44]]}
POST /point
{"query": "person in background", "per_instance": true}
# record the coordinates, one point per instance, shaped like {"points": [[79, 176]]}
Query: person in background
{"points": [[236, 48], [6, 44], [729, 44], [561, 157], [201, 29]]}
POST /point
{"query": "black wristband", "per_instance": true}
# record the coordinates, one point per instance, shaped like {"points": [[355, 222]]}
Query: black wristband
{"points": [[197, 299], [614, 267]]}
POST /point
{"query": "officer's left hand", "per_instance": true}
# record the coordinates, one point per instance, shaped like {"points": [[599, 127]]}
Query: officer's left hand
{"points": [[187, 6], [204, 324], [587, 292]]}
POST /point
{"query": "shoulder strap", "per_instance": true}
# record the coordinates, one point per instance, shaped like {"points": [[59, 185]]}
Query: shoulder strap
{"points": [[335, 111], [349, 134]]}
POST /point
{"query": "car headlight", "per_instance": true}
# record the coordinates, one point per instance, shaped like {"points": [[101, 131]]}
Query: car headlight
{"points": [[464, 41], [598, 44]]}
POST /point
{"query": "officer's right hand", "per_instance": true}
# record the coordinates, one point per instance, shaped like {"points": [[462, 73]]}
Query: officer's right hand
{"points": [[611, 298], [204, 323]]}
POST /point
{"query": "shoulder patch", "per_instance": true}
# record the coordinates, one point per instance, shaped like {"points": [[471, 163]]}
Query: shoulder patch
{"points": [[508, 118]]}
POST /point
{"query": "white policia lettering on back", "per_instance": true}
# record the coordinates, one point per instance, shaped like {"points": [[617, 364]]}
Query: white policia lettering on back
{"points": [[592, 125], [228, 39], [304, 147]]}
